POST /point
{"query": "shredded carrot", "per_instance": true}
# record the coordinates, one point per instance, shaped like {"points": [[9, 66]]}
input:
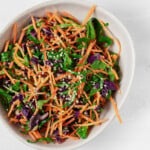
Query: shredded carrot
{"points": [[32, 136], [91, 124], [6, 46], [116, 109], [115, 74], [15, 32], [16, 103], [9, 76], [34, 23], [89, 14]]}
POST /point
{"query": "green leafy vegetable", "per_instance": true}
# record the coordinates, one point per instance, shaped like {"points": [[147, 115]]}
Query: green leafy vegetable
{"points": [[95, 31], [29, 30], [82, 131], [16, 86], [5, 98], [111, 75], [41, 140], [25, 99], [26, 127], [25, 87], [90, 30], [84, 40], [10, 89], [41, 102], [93, 91], [26, 62], [43, 122], [67, 60], [98, 65], [2, 72], [106, 40], [98, 28], [35, 40], [65, 25], [5, 56]]}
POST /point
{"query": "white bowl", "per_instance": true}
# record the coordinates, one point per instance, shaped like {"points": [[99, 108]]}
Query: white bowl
{"points": [[127, 62]]}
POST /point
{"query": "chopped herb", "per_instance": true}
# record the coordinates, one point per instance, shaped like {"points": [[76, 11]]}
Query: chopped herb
{"points": [[5, 56], [82, 131], [106, 24]]}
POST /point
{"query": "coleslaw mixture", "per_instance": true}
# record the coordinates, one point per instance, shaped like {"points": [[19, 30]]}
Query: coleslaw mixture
{"points": [[57, 76]]}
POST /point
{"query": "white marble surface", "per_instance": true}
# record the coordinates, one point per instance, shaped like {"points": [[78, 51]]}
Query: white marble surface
{"points": [[134, 133]]}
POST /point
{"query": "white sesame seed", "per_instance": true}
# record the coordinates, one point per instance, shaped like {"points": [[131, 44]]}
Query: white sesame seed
{"points": [[69, 76]]}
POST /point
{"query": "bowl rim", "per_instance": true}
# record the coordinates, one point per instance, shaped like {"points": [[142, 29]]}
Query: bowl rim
{"points": [[52, 2]]}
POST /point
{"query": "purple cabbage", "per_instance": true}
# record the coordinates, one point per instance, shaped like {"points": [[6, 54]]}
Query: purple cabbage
{"points": [[76, 114], [97, 85], [104, 92], [49, 63], [34, 121], [34, 60], [58, 139], [33, 33], [56, 132], [109, 85], [24, 47], [94, 57], [20, 97], [47, 32], [14, 99], [26, 111]]}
